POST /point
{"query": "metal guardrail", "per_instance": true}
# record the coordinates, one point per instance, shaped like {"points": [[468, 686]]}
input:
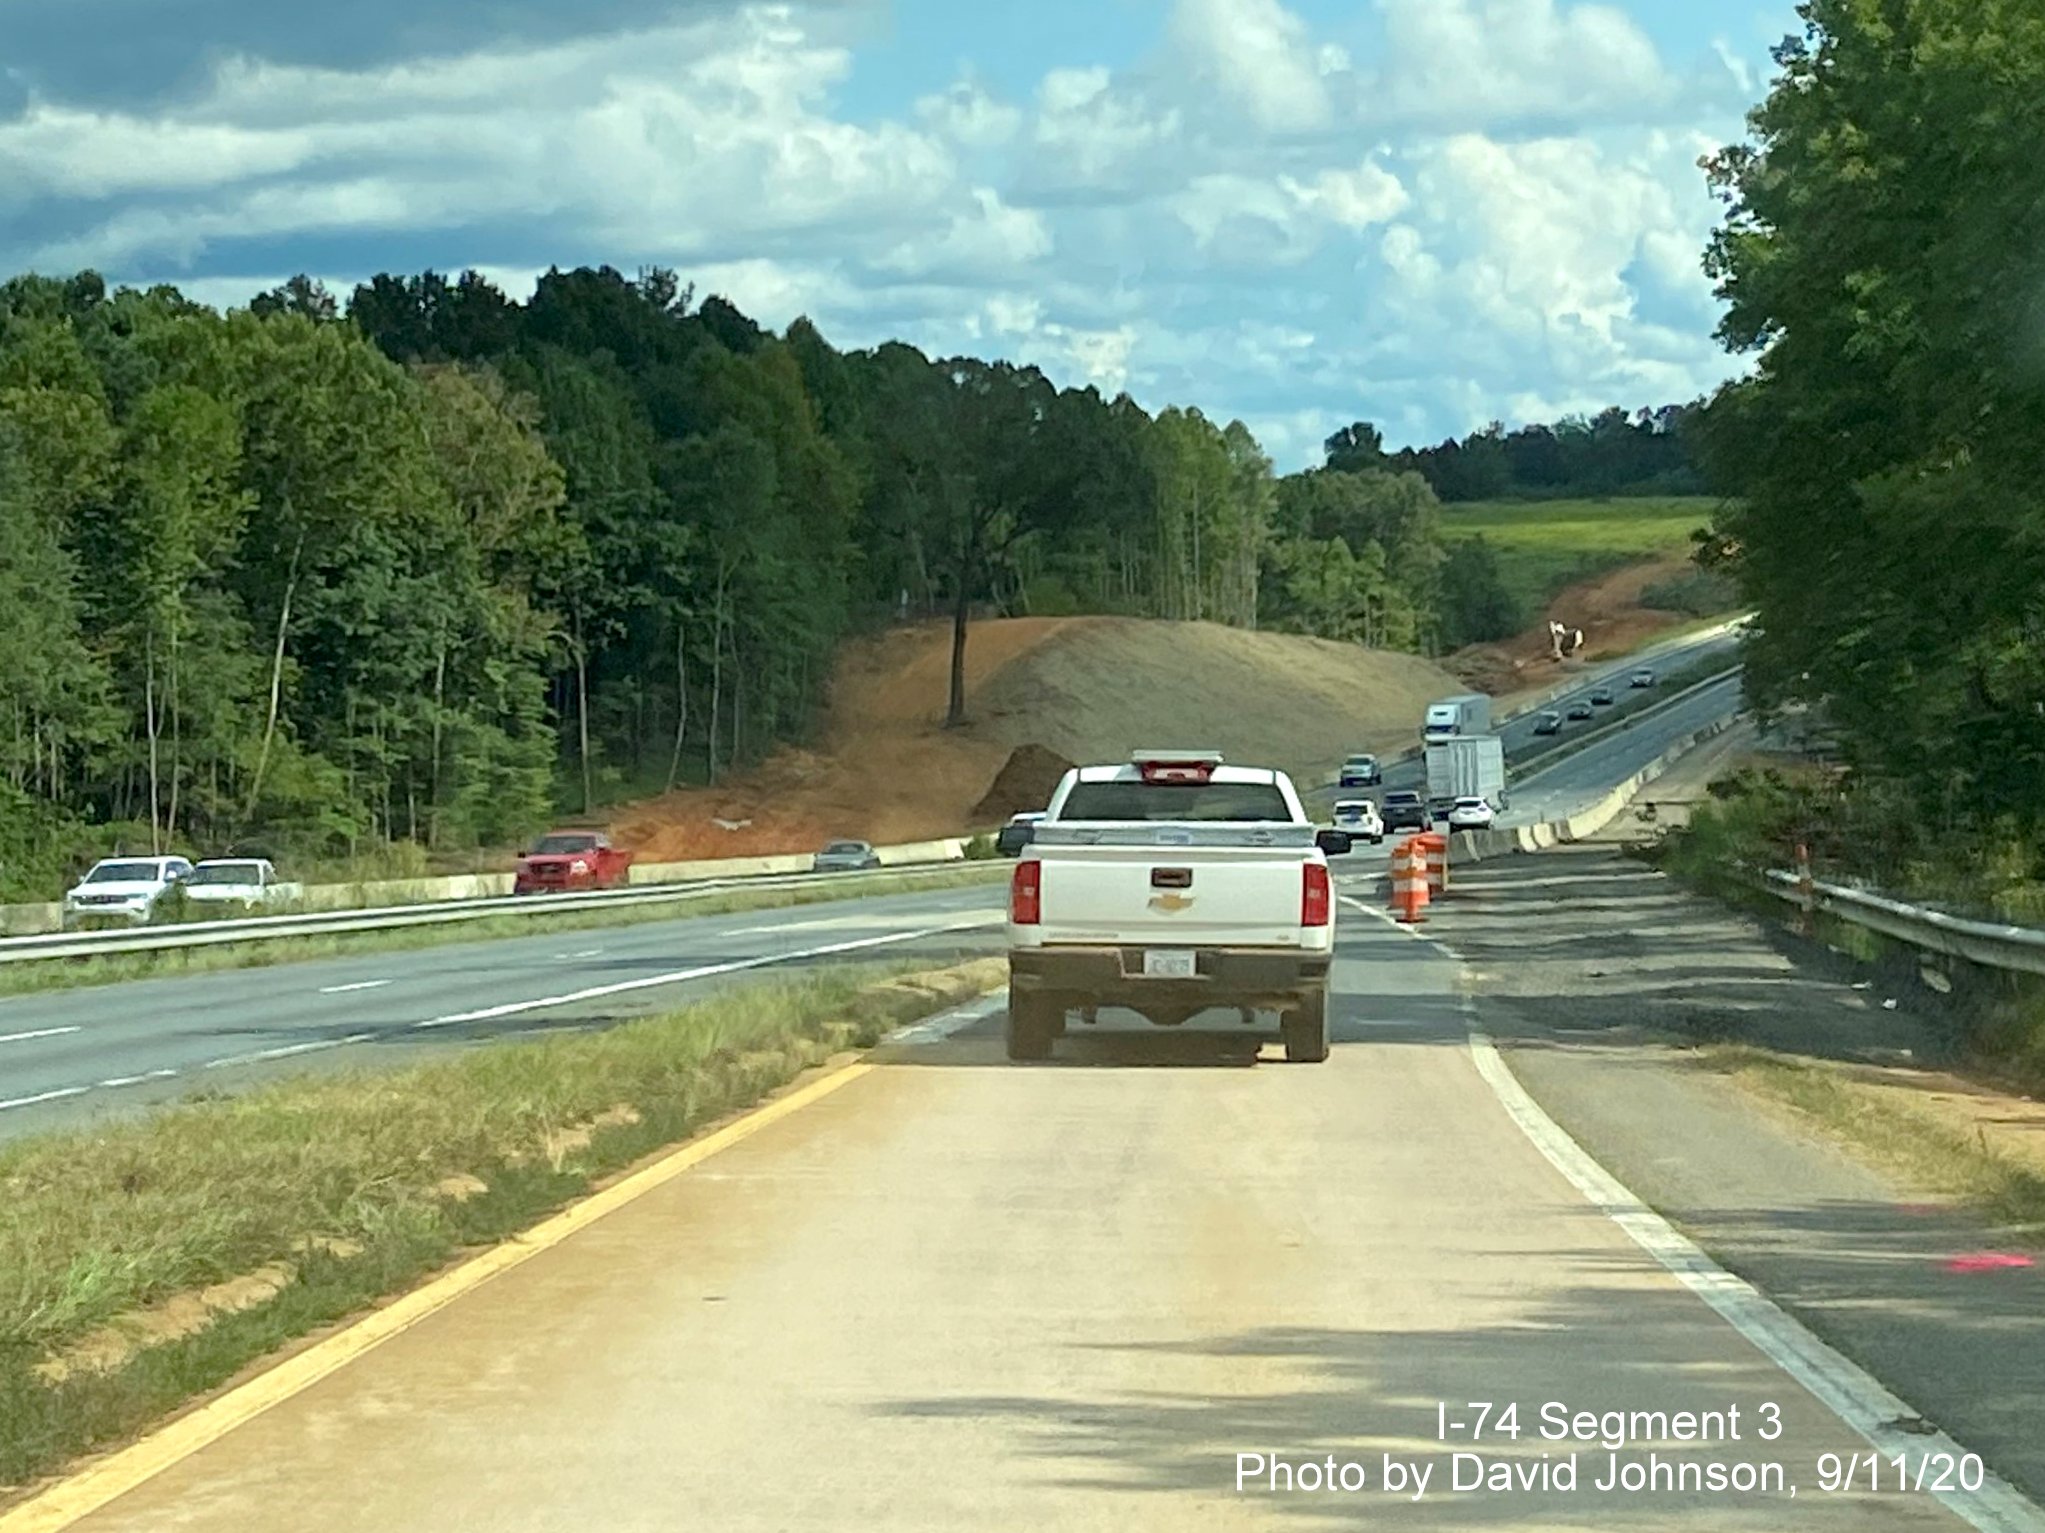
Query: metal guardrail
{"points": [[142, 939], [1991, 944]]}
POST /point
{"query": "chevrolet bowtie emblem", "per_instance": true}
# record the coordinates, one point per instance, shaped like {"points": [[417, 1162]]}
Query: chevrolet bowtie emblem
{"points": [[1170, 904]]}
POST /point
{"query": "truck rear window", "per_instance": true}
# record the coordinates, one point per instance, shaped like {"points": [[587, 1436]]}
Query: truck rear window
{"points": [[1175, 801]]}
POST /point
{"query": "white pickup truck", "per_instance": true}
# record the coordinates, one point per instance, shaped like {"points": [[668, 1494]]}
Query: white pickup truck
{"points": [[1172, 885]]}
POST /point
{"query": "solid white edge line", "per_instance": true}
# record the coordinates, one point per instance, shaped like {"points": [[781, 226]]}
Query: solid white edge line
{"points": [[1851, 1393], [937, 1029], [289, 1051], [41, 1032]]}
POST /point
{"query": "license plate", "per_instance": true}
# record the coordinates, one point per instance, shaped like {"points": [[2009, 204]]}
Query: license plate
{"points": [[1169, 963]]}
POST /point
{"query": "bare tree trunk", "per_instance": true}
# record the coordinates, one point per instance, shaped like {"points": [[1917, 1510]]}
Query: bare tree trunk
{"points": [[582, 715], [716, 670], [149, 728], [433, 775], [955, 710], [738, 705], [177, 740], [674, 765], [276, 680]]}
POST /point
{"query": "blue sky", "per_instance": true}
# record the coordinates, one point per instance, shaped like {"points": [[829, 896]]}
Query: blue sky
{"points": [[1426, 213]]}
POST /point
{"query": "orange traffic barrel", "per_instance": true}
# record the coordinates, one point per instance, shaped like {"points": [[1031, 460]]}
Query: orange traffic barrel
{"points": [[1434, 850], [1409, 881]]}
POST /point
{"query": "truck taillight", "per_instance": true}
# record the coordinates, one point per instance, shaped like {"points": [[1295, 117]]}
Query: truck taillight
{"points": [[1317, 896], [1026, 893]]}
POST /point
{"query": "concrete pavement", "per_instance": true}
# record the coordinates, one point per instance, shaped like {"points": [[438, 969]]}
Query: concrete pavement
{"points": [[962, 1294], [1602, 979]]}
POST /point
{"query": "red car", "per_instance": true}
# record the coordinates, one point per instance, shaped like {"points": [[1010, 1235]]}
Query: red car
{"points": [[571, 859]]}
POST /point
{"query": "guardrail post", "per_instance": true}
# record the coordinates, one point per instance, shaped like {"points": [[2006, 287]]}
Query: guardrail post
{"points": [[1807, 893]]}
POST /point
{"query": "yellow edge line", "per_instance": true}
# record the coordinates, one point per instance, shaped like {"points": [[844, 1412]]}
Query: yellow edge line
{"points": [[86, 1492]]}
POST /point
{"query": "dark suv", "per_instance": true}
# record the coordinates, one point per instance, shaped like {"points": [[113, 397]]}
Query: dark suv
{"points": [[1404, 811]]}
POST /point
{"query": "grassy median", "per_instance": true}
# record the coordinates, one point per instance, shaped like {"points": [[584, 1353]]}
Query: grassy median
{"points": [[38, 975], [145, 1263]]}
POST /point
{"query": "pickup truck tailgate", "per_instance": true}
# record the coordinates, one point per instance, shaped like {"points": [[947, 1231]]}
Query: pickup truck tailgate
{"points": [[1172, 896]]}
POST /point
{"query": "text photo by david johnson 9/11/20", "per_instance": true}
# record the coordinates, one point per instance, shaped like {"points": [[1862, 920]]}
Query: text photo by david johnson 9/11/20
{"points": [[1623, 1453]]}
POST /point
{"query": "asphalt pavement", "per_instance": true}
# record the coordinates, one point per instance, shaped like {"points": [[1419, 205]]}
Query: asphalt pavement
{"points": [[68, 1057], [1517, 733], [1101, 1293]]}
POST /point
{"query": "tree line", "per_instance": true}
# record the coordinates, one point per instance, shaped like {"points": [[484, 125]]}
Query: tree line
{"points": [[1649, 451], [431, 566], [1882, 257]]}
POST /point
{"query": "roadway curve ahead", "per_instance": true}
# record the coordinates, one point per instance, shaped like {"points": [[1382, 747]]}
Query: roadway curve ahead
{"points": [[68, 1056], [1518, 732], [960, 1294]]}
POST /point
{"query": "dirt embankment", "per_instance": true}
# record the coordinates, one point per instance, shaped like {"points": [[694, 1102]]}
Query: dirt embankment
{"points": [[885, 769], [1062, 690], [1607, 609]]}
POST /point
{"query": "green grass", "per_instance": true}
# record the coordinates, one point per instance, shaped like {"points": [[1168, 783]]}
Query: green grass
{"points": [[108, 1223], [39, 975], [1545, 545], [1900, 1130]]}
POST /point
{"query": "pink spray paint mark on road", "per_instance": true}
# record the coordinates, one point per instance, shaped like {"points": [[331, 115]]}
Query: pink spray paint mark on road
{"points": [[1987, 1261]]}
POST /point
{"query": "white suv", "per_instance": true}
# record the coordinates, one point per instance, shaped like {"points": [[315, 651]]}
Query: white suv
{"points": [[124, 889], [1358, 817]]}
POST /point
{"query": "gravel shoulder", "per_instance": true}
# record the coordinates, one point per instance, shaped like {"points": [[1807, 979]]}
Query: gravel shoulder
{"points": [[1637, 1014]]}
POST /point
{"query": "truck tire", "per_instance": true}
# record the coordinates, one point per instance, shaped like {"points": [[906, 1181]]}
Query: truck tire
{"points": [[1306, 1031], [1030, 1026]]}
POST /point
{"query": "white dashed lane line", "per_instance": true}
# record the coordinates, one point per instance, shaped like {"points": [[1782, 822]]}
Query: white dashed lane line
{"points": [[41, 1032], [703, 971], [45, 1096], [360, 984]]}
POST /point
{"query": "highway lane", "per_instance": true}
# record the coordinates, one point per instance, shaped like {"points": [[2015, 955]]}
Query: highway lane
{"points": [[1558, 790], [68, 1056], [1518, 733], [957, 1293]]}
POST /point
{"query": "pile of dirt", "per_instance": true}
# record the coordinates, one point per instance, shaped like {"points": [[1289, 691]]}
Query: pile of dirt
{"points": [[1039, 690], [1607, 609], [1025, 784]]}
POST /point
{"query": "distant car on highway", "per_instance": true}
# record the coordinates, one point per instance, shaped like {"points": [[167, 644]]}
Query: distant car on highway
{"points": [[1405, 811], [130, 889], [1361, 771], [1641, 678], [571, 859], [1603, 697], [246, 882], [1579, 710], [1015, 835], [1549, 723], [845, 857], [1470, 814], [1359, 819]]}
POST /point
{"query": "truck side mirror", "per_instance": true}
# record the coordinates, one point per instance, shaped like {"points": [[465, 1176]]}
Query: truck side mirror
{"points": [[1334, 843]]}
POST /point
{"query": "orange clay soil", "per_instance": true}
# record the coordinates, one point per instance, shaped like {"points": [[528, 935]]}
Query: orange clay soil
{"points": [[883, 767], [1608, 611]]}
